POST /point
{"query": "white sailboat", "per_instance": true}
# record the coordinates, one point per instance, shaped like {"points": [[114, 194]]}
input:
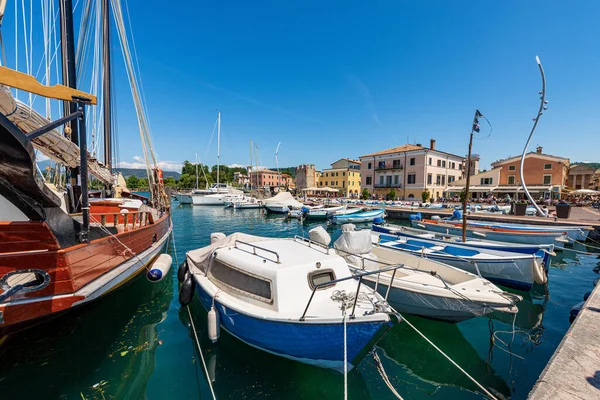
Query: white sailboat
{"points": [[219, 194]]}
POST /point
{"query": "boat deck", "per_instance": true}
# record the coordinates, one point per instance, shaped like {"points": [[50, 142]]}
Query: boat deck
{"points": [[573, 372]]}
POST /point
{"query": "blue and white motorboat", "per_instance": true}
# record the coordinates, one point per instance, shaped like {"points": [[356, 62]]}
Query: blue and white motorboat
{"points": [[365, 216], [290, 298], [574, 232], [544, 250], [519, 271]]}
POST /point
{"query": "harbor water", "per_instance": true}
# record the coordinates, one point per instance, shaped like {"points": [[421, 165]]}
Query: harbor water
{"points": [[136, 343]]}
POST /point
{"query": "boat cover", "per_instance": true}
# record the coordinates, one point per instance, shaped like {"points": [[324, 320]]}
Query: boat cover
{"points": [[284, 198], [357, 243]]}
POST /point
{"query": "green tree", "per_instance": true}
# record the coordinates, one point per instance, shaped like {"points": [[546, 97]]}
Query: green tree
{"points": [[391, 195], [365, 194], [132, 182], [169, 181], [462, 195], [425, 196], [142, 183]]}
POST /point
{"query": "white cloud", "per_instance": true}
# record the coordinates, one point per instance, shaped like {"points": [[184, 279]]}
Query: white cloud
{"points": [[164, 165], [138, 159], [253, 168]]}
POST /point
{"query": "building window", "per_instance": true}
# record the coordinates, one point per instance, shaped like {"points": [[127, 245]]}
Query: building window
{"points": [[512, 167], [511, 179], [430, 161], [443, 180], [326, 183], [547, 166], [443, 164], [381, 180], [396, 179], [396, 163], [369, 166], [337, 173], [547, 179], [439, 163], [429, 178], [369, 180], [412, 161], [336, 183], [344, 173], [486, 181], [343, 184], [460, 166], [438, 179], [411, 178]]}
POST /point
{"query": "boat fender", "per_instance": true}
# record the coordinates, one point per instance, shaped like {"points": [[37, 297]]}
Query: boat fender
{"points": [[585, 296], [319, 235], [378, 221], [216, 236], [576, 309], [181, 271], [421, 226], [212, 366], [186, 291], [160, 268], [436, 218], [457, 214], [415, 217], [213, 324], [539, 275]]}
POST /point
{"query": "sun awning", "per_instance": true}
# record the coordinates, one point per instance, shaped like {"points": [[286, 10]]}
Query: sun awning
{"points": [[472, 189]]}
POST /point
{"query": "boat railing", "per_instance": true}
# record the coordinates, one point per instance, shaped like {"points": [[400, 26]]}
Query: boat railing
{"points": [[254, 248], [136, 219], [352, 277], [311, 243]]}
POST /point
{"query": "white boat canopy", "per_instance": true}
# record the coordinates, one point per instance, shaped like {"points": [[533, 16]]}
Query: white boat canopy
{"points": [[284, 198]]}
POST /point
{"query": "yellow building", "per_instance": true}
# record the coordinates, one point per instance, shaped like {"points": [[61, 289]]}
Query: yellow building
{"points": [[343, 175]]}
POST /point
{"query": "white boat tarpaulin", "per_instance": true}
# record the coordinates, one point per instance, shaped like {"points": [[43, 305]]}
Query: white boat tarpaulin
{"points": [[284, 198]]}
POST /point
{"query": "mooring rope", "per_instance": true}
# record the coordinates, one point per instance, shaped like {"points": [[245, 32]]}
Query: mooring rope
{"points": [[451, 360], [381, 370], [201, 355], [345, 360]]}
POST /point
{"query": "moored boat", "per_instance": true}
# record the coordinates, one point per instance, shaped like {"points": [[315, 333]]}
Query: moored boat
{"points": [[360, 217], [422, 286], [288, 298], [519, 271]]}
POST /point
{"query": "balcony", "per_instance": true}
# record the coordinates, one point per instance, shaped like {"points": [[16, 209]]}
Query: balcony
{"points": [[388, 168], [388, 185]]}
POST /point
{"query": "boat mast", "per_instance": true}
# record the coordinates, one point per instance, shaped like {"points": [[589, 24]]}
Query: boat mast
{"points": [[69, 73], [250, 169], [474, 128], [218, 145], [106, 84], [196, 171]]}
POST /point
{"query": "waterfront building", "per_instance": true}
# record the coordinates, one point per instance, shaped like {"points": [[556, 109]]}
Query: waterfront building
{"points": [[269, 178], [544, 174], [409, 170], [241, 179], [582, 176], [344, 175], [306, 176]]}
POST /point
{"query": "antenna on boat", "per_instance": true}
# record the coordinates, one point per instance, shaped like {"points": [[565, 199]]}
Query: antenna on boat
{"points": [[277, 164], [543, 107]]}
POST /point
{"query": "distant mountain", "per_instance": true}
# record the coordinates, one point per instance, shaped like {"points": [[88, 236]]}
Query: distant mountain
{"points": [[141, 173]]}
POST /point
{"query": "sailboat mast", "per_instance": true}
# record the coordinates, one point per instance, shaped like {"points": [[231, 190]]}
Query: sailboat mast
{"points": [[106, 84], [196, 171], [250, 169], [67, 40], [218, 145]]}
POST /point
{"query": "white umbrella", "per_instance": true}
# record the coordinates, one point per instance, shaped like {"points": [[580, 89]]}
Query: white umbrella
{"points": [[586, 191]]}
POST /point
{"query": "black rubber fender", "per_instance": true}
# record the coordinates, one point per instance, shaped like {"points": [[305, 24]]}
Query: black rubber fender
{"points": [[186, 291], [183, 269]]}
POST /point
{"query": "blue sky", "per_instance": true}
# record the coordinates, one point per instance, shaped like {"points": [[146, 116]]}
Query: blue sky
{"points": [[345, 78]]}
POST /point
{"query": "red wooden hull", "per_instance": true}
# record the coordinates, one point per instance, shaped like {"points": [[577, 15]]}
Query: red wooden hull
{"points": [[78, 273]]}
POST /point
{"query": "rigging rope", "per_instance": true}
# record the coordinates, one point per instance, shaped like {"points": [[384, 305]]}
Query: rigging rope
{"points": [[201, 355]]}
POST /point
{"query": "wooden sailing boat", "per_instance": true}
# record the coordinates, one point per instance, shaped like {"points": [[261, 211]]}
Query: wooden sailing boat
{"points": [[59, 251]]}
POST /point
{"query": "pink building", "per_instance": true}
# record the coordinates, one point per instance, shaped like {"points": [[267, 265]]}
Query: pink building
{"points": [[268, 178], [409, 170]]}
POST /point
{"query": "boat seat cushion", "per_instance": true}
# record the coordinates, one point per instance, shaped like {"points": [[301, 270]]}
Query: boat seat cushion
{"points": [[460, 251]]}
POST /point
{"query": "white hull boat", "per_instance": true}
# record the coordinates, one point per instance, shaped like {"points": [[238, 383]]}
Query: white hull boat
{"points": [[421, 286], [579, 233], [287, 298], [184, 198]]}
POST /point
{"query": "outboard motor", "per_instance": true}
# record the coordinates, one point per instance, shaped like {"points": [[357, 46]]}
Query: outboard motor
{"points": [[415, 217]]}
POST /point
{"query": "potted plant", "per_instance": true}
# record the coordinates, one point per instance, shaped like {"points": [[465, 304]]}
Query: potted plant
{"points": [[520, 207], [563, 209], [425, 196]]}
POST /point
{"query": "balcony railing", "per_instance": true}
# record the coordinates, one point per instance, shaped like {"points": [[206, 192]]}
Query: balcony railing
{"points": [[389, 185], [396, 168]]}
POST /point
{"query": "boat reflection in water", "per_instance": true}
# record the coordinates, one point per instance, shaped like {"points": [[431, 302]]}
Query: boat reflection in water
{"points": [[102, 351], [239, 371], [418, 371]]}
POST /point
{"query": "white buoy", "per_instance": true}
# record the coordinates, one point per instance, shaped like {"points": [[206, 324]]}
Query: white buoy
{"points": [[160, 268], [214, 329]]}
